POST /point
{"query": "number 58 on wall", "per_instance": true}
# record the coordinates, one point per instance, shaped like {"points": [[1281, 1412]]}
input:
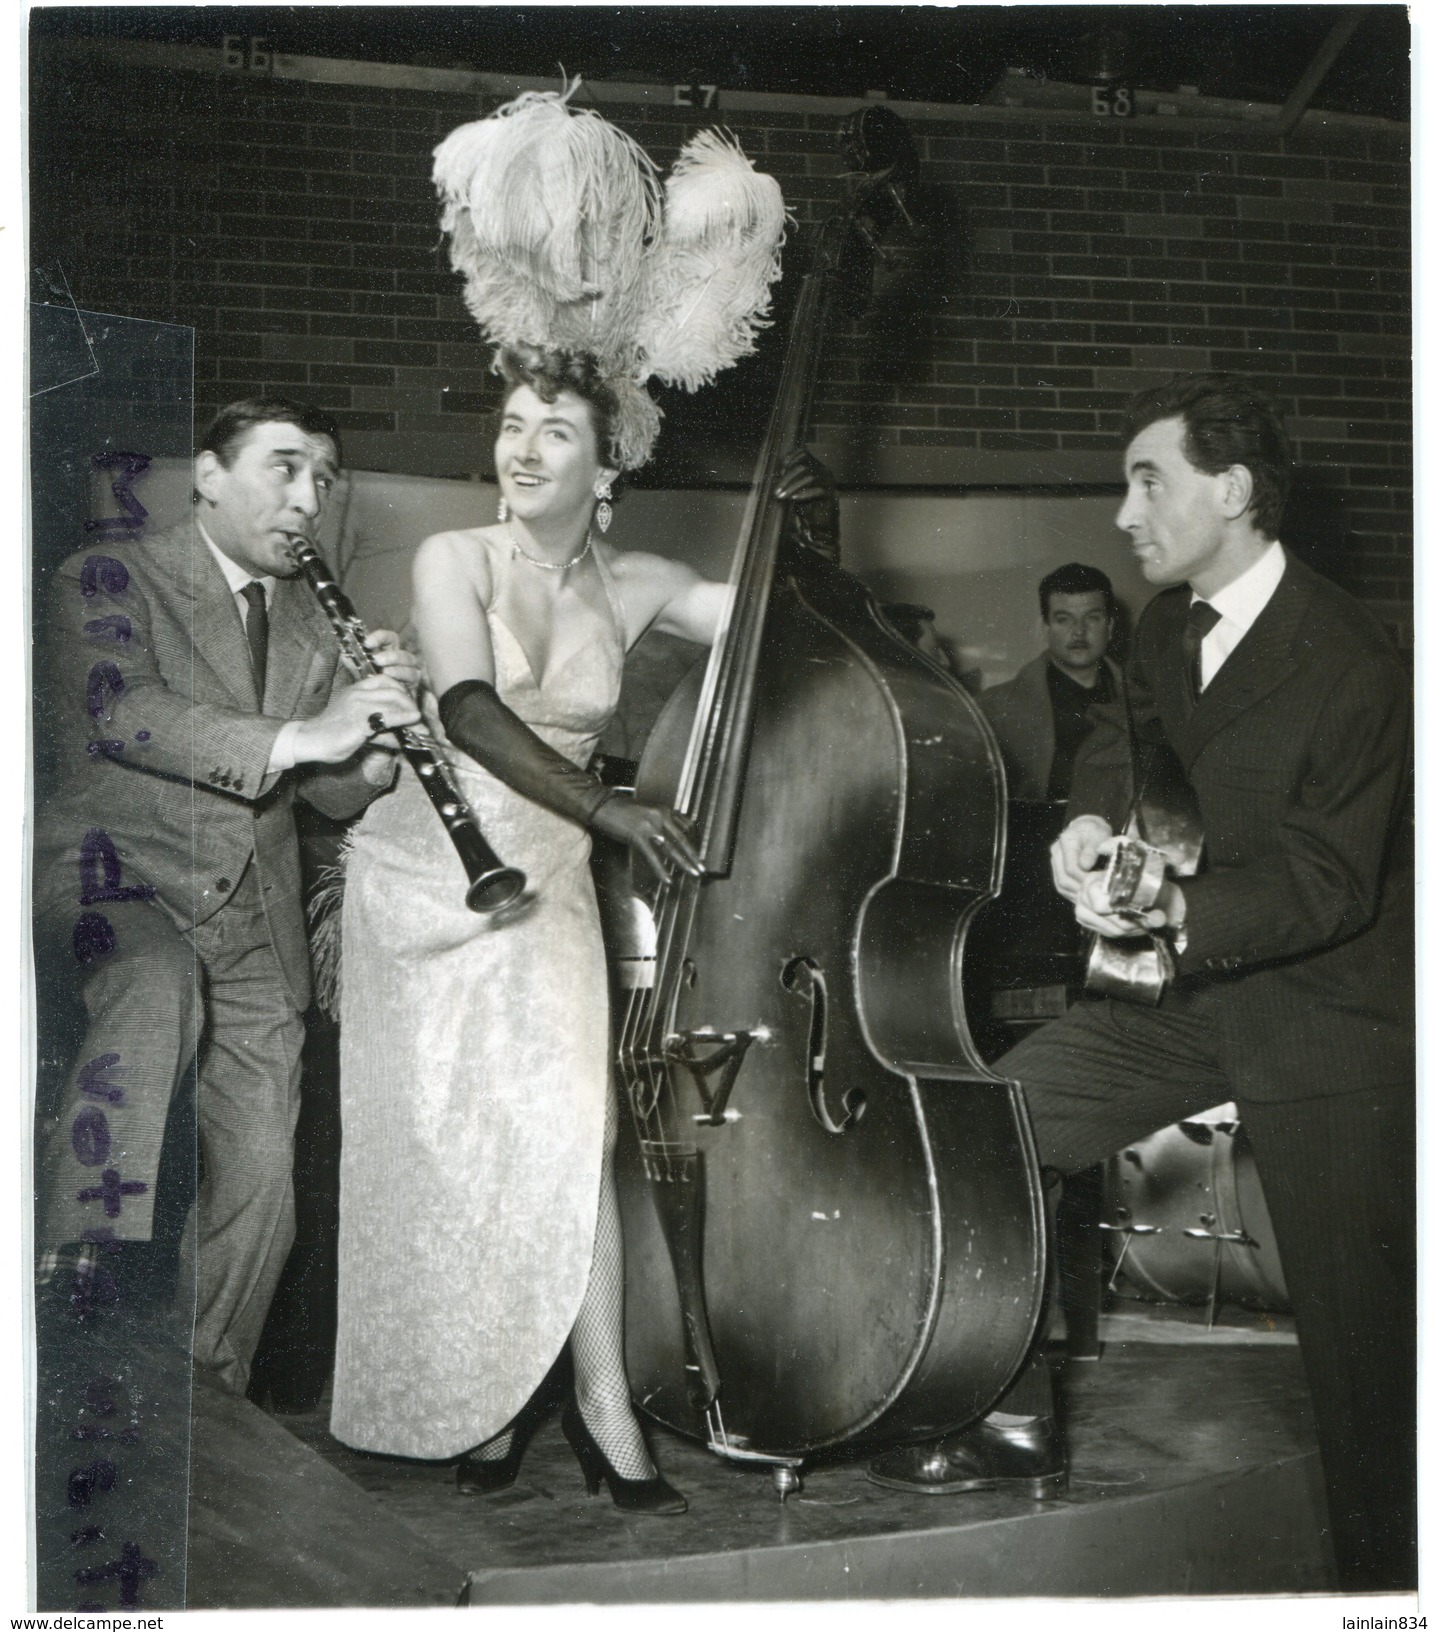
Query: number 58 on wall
{"points": [[1112, 102]]}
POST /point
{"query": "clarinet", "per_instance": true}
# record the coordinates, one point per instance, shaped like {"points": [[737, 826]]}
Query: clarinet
{"points": [[491, 884]]}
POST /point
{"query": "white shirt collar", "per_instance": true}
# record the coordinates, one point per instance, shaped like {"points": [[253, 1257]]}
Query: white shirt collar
{"points": [[235, 576], [1238, 605], [1240, 602]]}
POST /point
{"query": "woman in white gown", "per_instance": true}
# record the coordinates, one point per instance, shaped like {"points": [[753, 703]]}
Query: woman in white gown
{"points": [[478, 1222]]}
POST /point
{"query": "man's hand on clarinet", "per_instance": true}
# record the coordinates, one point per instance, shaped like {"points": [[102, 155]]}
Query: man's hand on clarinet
{"points": [[392, 658], [657, 834], [396, 662], [375, 704]]}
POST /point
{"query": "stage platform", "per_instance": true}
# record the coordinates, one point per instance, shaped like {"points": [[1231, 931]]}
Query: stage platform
{"points": [[1193, 1470]]}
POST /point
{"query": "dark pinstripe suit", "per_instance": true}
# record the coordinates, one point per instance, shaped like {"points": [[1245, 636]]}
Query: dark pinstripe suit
{"points": [[1295, 999]]}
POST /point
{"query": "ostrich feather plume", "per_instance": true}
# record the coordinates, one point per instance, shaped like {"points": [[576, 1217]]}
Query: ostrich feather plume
{"points": [[710, 272], [565, 240], [549, 210]]}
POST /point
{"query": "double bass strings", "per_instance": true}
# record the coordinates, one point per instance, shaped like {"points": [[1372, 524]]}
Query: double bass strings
{"points": [[751, 572], [732, 661]]}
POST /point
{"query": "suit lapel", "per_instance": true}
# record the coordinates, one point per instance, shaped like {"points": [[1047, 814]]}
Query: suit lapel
{"points": [[298, 628], [1266, 656], [192, 579], [1166, 676]]}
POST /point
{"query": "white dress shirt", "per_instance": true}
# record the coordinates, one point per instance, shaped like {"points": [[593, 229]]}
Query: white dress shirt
{"points": [[282, 750], [1238, 605]]}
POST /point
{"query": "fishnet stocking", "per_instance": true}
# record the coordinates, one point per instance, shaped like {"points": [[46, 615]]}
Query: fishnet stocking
{"points": [[496, 1449], [601, 1385]]}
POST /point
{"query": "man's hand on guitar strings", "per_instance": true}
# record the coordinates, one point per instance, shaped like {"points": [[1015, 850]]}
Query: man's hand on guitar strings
{"points": [[1076, 852], [1094, 912]]}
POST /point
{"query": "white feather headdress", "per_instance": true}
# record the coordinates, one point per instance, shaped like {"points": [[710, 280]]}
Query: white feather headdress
{"points": [[566, 240]]}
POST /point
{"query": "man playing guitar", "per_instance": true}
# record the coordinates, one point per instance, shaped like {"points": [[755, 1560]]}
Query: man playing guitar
{"points": [[1288, 709]]}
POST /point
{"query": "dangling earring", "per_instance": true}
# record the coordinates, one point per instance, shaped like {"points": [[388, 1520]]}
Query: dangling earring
{"points": [[604, 514], [503, 510]]}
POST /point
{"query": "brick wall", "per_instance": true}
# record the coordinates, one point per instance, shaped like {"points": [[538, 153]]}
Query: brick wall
{"points": [[1067, 263]]}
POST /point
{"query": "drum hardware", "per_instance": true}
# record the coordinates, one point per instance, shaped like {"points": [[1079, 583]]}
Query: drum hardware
{"points": [[1127, 1229], [1189, 1205], [1239, 1237]]}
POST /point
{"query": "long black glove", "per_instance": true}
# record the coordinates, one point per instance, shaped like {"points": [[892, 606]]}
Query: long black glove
{"points": [[476, 719], [808, 488]]}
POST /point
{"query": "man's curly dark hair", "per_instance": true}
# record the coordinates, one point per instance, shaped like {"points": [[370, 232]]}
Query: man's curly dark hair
{"points": [[1227, 421]]}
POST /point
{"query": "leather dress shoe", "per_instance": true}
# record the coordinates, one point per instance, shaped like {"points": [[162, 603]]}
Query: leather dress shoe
{"points": [[1027, 1457]]}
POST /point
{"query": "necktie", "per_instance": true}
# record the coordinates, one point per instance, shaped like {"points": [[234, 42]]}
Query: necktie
{"points": [[257, 629], [1201, 618]]}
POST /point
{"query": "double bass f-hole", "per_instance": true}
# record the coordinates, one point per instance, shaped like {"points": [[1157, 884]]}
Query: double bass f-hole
{"points": [[805, 978]]}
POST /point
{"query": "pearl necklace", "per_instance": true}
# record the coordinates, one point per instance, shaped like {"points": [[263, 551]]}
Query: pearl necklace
{"points": [[548, 566]]}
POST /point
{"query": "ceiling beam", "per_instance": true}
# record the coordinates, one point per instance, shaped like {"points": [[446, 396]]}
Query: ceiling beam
{"points": [[1317, 70]]}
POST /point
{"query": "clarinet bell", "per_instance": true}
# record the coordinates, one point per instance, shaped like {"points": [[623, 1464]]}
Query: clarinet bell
{"points": [[492, 884], [499, 887]]}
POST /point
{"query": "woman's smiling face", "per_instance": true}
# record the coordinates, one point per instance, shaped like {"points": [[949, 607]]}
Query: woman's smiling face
{"points": [[546, 456]]}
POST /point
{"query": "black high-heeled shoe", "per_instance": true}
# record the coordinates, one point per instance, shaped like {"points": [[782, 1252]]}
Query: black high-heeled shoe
{"points": [[479, 1478], [654, 1496]]}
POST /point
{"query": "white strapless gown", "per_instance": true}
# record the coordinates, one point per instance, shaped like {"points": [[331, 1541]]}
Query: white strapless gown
{"points": [[474, 1069]]}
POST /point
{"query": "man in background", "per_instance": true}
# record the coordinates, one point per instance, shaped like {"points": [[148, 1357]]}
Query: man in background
{"points": [[1042, 715]]}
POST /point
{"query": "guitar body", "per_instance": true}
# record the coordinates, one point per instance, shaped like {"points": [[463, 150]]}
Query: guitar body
{"points": [[1165, 820]]}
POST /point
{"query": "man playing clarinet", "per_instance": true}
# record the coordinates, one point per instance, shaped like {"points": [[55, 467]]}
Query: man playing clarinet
{"points": [[192, 695]]}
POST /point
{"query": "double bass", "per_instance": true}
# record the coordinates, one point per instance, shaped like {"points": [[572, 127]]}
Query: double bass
{"points": [[832, 1210]]}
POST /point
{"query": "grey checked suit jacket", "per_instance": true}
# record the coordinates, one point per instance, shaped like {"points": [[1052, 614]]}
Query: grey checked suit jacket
{"points": [[147, 705]]}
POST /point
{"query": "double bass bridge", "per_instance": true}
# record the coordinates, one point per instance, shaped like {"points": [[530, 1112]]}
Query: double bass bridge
{"points": [[713, 1061]]}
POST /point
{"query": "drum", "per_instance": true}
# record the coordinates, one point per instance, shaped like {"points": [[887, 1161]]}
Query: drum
{"points": [[1187, 1222]]}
